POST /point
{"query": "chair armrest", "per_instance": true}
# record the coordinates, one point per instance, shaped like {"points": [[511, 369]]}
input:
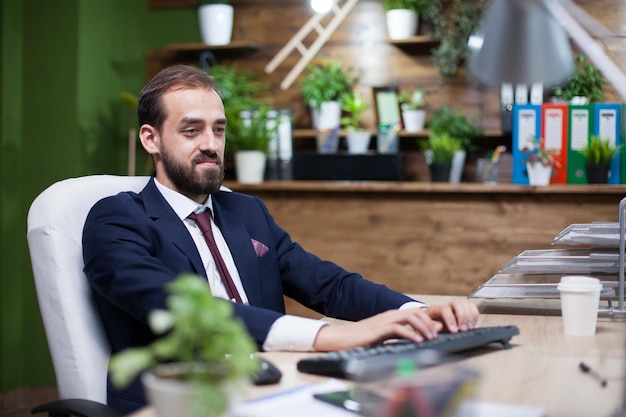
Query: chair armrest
{"points": [[77, 408]]}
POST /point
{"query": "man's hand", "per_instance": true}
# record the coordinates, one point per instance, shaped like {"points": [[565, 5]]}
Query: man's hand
{"points": [[414, 324]]}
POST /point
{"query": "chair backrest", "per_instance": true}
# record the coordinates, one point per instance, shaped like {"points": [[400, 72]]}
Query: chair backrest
{"points": [[77, 342]]}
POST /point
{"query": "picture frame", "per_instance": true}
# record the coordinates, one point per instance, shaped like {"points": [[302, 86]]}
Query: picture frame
{"points": [[386, 105]]}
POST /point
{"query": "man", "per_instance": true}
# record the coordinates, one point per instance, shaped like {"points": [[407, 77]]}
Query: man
{"points": [[135, 243]]}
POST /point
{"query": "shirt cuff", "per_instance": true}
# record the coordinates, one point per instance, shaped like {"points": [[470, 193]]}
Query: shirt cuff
{"points": [[291, 333], [413, 304]]}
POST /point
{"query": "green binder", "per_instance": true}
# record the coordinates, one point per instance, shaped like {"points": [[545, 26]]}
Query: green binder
{"points": [[579, 130]]}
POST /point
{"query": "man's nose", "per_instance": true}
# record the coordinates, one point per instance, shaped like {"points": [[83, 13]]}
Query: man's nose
{"points": [[208, 140]]}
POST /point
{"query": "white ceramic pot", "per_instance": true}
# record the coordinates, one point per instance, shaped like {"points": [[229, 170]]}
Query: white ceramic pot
{"points": [[169, 397], [538, 174], [216, 23], [328, 116], [414, 120], [358, 142], [172, 396], [250, 166], [458, 162], [401, 23]]}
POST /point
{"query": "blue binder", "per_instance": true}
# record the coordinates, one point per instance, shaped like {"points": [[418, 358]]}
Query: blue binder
{"points": [[526, 126], [607, 119]]}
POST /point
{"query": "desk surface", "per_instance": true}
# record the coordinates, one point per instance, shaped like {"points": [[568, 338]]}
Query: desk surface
{"points": [[541, 369]]}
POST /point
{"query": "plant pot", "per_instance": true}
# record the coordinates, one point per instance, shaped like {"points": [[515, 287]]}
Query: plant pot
{"points": [[328, 116], [597, 173], [216, 23], [456, 171], [440, 172], [250, 166], [401, 23], [538, 174], [171, 395], [358, 142], [414, 120]]}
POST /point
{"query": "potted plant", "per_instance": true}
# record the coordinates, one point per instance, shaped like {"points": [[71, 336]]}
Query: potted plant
{"points": [[248, 135], [599, 153], [202, 348], [456, 124], [413, 113], [540, 162], [358, 139], [216, 21], [402, 17], [323, 87], [585, 86], [453, 23], [439, 150], [239, 89]]}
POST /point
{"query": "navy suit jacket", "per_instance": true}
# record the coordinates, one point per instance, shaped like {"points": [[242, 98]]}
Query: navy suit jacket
{"points": [[133, 244]]}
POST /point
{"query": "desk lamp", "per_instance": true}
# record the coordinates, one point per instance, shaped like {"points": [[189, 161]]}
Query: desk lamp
{"points": [[526, 42]]}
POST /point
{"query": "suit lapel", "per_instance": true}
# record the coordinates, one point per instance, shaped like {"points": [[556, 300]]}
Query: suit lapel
{"points": [[166, 220], [240, 245]]}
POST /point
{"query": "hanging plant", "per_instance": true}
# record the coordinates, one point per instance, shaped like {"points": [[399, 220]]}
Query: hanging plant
{"points": [[453, 23]]}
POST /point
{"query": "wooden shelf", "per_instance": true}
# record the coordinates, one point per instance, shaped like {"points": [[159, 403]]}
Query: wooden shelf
{"points": [[413, 40], [310, 133], [190, 52], [200, 47], [415, 187]]}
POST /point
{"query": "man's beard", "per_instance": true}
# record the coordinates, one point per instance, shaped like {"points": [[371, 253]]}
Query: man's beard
{"points": [[187, 181]]}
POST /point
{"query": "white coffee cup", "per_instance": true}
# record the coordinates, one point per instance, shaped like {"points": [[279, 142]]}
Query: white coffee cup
{"points": [[580, 298]]}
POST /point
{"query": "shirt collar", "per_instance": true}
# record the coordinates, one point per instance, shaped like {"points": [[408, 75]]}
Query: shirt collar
{"points": [[182, 205]]}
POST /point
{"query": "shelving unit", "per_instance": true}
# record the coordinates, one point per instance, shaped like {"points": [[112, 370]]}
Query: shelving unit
{"points": [[536, 273], [158, 59]]}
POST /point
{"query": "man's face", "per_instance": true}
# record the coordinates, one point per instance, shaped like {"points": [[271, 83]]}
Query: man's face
{"points": [[190, 157]]}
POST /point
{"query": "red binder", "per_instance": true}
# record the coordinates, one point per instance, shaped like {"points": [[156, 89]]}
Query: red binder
{"points": [[554, 134]]}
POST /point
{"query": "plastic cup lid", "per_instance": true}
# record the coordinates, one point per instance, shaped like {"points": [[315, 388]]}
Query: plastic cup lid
{"points": [[579, 283]]}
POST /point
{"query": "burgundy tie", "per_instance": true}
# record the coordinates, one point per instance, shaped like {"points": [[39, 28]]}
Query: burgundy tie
{"points": [[203, 220]]}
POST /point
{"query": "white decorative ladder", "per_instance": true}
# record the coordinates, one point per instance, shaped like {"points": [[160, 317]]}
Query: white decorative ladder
{"points": [[295, 43]]}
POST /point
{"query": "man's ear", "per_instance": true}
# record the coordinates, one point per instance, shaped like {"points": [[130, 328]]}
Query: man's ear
{"points": [[149, 138]]}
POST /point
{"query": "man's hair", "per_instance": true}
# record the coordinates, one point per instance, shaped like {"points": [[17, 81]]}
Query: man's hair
{"points": [[150, 108]]}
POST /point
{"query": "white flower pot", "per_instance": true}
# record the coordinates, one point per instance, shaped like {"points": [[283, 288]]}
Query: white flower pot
{"points": [[169, 397], [401, 23], [250, 166], [358, 142], [216, 23], [456, 172], [172, 396], [328, 116], [538, 174], [414, 120]]}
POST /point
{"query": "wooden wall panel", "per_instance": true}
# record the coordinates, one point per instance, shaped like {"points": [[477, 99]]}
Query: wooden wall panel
{"points": [[430, 243], [359, 43]]}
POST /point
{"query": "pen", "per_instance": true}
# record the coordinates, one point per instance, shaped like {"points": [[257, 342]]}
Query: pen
{"points": [[587, 369]]}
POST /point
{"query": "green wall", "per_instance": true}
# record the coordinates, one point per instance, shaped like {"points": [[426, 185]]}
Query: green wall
{"points": [[63, 64]]}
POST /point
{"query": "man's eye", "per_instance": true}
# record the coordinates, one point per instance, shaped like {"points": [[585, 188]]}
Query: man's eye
{"points": [[190, 131]]}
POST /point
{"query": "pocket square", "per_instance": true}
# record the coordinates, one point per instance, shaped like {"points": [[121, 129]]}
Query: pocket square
{"points": [[259, 248]]}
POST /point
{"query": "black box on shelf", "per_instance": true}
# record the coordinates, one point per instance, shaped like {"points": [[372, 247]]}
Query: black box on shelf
{"points": [[343, 166]]}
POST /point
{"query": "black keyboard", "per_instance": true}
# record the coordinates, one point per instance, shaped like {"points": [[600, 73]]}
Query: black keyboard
{"points": [[379, 361]]}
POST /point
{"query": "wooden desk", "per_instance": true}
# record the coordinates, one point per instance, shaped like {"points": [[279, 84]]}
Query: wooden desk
{"points": [[540, 370]]}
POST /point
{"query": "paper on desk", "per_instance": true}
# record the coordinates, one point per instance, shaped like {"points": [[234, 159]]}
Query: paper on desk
{"points": [[298, 401], [487, 409]]}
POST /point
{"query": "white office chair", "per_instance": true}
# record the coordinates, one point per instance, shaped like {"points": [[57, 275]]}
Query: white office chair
{"points": [[78, 345]]}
